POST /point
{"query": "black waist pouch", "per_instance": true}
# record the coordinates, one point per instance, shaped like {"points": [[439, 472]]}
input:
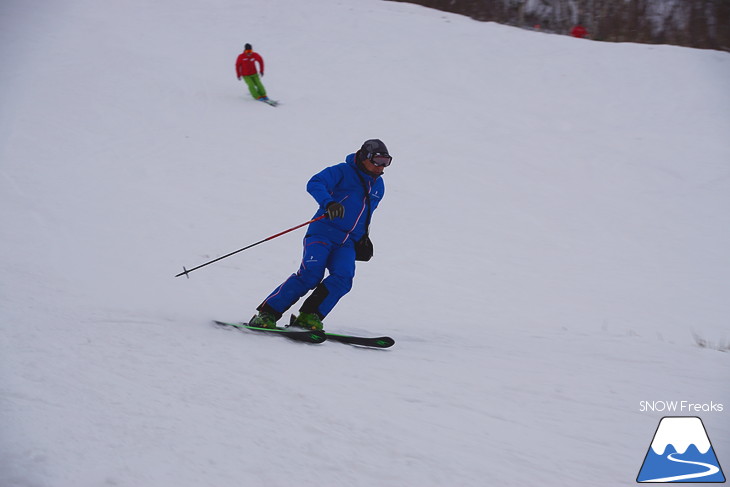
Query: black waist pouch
{"points": [[364, 249]]}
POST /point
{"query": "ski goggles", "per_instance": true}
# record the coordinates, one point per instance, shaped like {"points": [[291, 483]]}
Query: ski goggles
{"points": [[380, 160]]}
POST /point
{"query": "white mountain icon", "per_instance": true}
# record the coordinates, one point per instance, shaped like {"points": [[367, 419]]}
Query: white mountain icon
{"points": [[681, 452], [680, 432]]}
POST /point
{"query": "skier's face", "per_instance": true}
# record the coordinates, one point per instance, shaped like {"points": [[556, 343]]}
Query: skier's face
{"points": [[372, 168]]}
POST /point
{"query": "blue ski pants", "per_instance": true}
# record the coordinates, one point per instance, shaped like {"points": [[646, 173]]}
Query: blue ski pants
{"points": [[320, 255]]}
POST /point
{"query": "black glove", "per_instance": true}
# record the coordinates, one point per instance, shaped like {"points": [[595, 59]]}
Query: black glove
{"points": [[335, 210]]}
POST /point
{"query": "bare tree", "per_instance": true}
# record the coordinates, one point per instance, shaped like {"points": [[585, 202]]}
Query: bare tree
{"points": [[692, 23]]}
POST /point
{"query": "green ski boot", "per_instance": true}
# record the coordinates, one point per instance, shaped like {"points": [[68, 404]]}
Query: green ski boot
{"points": [[263, 320], [310, 321]]}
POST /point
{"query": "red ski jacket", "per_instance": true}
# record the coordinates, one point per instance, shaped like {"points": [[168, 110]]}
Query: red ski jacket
{"points": [[246, 63]]}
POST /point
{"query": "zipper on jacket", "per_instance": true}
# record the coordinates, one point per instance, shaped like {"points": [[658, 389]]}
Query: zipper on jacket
{"points": [[364, 205]]}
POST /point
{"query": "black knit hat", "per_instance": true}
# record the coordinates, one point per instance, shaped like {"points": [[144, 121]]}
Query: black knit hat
{"points": [[370, 147], [247, 47]]}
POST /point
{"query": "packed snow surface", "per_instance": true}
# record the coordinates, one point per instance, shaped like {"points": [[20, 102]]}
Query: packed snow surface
{"points": [[552, 247]]}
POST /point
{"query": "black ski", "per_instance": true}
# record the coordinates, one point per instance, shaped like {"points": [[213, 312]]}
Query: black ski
{"points": [[315, 336], [375, 342], [298, 334]]}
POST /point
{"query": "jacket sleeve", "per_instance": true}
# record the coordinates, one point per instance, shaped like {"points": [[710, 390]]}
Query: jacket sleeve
{"points": [[261, 63], [322, 184], [238, 66]]}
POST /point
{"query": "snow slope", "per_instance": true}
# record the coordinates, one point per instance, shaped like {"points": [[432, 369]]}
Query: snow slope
{"points": [[555, 231]]}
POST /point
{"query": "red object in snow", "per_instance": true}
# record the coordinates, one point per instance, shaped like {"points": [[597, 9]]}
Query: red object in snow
{"points": [[579, 31]]}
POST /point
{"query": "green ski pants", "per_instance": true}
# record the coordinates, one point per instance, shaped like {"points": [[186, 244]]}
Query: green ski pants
{"points": [[254, 86]]}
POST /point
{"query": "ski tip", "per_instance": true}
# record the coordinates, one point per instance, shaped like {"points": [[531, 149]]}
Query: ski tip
{"points": [[384, 342], [227, 323], [360, 341]]}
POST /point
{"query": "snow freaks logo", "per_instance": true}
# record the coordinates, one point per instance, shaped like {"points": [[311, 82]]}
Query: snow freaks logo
{"points": [[680, 452]]}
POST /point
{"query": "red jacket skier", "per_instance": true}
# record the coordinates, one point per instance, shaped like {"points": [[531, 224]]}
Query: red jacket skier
{"points": [[246, 70], [246, 62]]}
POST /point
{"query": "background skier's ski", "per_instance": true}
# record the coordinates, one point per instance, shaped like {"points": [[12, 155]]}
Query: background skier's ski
{"points": [[269, 101]]}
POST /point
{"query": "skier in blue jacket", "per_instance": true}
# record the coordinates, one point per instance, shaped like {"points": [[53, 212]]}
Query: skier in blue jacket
{"points": [[347, 193]]}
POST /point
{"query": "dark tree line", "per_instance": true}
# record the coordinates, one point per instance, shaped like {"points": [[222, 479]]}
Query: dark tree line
{"points": [[693, 23]]}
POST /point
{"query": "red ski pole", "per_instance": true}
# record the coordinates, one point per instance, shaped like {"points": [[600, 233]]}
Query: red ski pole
{"points": [[185, 271]]}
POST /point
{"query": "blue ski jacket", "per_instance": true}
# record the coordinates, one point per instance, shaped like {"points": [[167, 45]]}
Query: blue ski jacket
{"points": [[342, 183]]}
